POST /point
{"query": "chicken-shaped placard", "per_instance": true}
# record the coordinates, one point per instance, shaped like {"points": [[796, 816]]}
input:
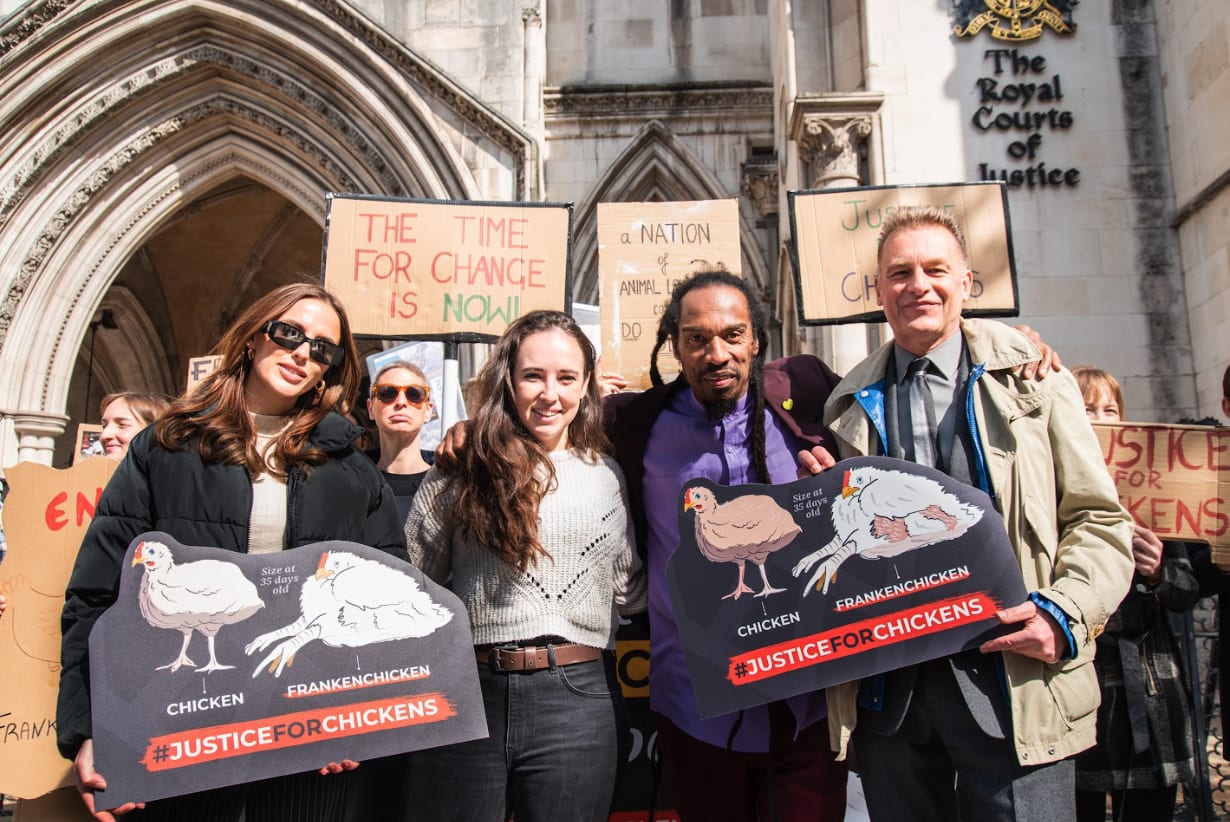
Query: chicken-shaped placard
{"points": [[885, 513], [745, 528], [202, 596], [348, 603]]}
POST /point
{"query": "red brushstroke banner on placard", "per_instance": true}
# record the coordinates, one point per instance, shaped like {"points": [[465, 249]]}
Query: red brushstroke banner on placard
{"points": [[859, 637], [197, 745]]}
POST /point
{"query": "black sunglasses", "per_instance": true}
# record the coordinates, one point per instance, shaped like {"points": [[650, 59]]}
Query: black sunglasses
{"points": [[290, 338], [416, 395]]}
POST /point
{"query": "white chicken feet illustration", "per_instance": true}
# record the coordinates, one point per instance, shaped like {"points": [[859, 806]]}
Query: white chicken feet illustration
{"points": [[283, 655], [741, 588], [827, 572]]}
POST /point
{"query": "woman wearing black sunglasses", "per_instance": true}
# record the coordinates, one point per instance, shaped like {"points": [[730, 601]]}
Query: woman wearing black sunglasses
{"points": [[253, 460], [399, 405]]}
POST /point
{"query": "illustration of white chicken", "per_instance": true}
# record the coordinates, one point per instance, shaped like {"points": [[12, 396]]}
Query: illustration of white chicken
{"points": [[745, 528], [351, 602], [201, 596], [885, 513]]}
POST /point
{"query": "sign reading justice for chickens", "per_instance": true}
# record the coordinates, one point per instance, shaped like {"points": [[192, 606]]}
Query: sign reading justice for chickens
{"points": [[873, 565], [214, 668]]}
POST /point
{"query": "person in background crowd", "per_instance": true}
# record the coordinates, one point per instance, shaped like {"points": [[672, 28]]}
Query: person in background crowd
{"points": [[261, 436], [124, 414], [985, 734], [533, 530], [1145, 748], [400, 404]]}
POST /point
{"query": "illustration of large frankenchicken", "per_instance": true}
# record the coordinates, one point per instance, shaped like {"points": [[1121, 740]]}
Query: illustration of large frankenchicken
{"points": [[885, 513], [202, 596], [351, 602], [741, 529]]}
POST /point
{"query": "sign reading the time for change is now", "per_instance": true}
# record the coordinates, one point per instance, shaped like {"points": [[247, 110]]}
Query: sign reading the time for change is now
{"points": [[836, 231], [431, 269], [214, 668], [1173, 479]]}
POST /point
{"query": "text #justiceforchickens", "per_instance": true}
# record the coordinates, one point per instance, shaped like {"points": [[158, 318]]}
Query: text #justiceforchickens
{"points": [[858, 637]]}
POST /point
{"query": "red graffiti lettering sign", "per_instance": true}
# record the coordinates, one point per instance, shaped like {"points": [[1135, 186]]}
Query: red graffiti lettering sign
{"points": [[1173, 479]]}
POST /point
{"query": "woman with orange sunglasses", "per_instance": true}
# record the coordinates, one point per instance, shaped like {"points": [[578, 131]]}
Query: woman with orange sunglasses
{"points": [[399, 405]]}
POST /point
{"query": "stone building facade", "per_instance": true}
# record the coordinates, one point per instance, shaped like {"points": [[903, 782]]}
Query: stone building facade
{"points": [[162, 162]]}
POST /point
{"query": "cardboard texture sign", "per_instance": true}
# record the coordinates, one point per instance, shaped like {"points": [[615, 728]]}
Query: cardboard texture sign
{"points": [[835, 232], [1173, 479], [215, 668], [433, 269], [871, 566], [45, 517], [199, 368], [644, 251]]}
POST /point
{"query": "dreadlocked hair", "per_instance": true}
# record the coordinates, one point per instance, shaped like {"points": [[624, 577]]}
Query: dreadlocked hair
{"points": [[668, 331], [505, 471]]}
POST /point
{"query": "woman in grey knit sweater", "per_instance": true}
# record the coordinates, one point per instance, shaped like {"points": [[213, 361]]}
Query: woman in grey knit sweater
{"points": [[533, 533]]}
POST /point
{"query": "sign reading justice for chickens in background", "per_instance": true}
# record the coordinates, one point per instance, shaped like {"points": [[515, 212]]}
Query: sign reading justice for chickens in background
{"points": [[214, 668], [873, 565]]}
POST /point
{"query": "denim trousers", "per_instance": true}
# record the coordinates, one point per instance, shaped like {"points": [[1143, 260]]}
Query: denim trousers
{"points": [[556, 740]]}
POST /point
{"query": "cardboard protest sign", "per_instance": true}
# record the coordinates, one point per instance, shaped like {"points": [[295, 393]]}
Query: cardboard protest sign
{"points": [[873, 565], [199, 368], [1173, 479], [429, 269], [214, 668], [45, 517], [644, 250], [835, 231]]}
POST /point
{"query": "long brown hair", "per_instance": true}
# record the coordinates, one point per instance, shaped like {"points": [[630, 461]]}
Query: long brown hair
{"points": [[214, 416], [505, 471]]}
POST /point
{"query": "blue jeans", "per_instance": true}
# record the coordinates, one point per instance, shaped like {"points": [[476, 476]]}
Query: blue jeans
{"points": [[556, 739]]}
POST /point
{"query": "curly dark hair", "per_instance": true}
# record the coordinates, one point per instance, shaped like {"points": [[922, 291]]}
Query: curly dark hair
{"points": [[668, 329]]}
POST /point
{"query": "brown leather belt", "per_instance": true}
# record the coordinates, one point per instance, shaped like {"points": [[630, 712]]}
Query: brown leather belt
{"points": [[534, 657]]}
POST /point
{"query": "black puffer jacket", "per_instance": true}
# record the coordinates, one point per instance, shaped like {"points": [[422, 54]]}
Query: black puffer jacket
{"points": [[199, 504]]}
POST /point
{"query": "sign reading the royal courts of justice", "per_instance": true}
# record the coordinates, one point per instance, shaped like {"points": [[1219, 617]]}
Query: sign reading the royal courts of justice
{"points": [[1173, 479], [876, 564], [835, 233], [433, 269], [644, 251]]}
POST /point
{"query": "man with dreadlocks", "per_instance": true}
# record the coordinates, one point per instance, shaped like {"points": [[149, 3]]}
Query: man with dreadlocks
{"points": [[734, 420]]}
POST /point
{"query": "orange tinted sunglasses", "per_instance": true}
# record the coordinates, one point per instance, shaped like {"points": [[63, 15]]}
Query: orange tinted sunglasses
{"points": [[416, 395]]}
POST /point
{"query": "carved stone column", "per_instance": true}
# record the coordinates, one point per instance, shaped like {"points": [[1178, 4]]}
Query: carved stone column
{"points": [[760, 185], [831, 146], [833, 138], [36, 435]]}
